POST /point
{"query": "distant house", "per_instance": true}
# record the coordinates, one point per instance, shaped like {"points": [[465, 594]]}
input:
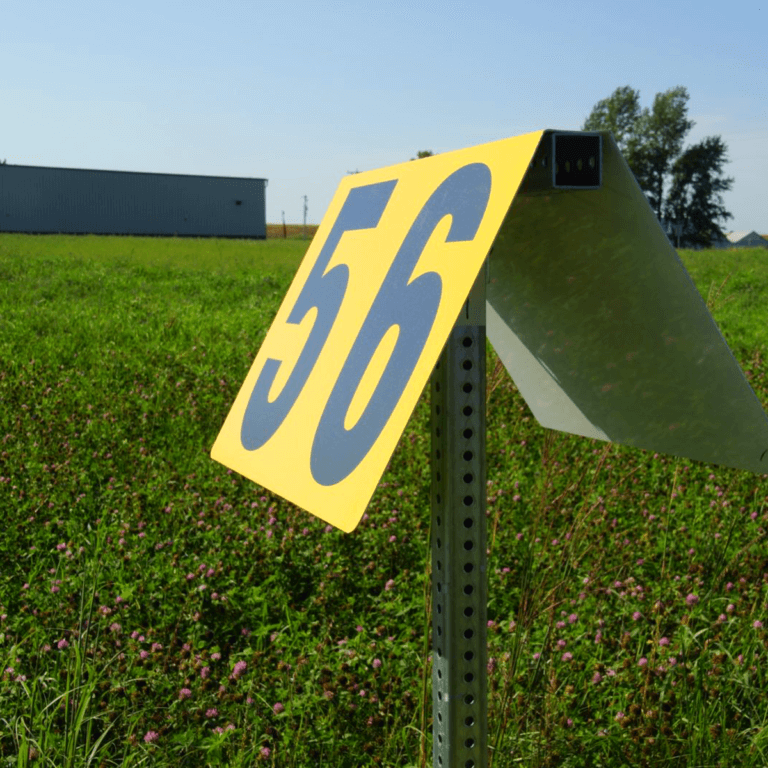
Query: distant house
{"points": [[743, 239]]}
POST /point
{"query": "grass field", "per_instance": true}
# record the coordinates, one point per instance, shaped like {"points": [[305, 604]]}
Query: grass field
{"points": [[291, 231], [157, 609]]}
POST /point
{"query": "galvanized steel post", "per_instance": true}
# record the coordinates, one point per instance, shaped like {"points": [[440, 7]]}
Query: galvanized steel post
{"points": [[459, 579]]}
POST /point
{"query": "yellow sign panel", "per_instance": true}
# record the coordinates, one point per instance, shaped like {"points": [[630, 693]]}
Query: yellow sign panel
{"points": [[363, 323]]}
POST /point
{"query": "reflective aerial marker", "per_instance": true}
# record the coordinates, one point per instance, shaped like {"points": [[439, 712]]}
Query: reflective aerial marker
{"points": [[363, 323], [546, 243], [588, 306]]}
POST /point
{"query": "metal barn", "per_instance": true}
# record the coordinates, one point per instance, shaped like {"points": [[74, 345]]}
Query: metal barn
{"points": [[68, 200]]}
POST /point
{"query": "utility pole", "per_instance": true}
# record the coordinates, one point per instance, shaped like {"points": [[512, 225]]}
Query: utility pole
{"points": [[678, 228], [305, 217]]}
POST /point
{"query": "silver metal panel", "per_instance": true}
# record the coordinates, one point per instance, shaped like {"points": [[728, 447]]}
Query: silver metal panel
{"points": [[34, 199], [604, 332]]}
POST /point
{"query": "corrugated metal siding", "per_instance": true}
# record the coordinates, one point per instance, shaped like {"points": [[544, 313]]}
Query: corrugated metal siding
{"points": [[36, 199]]}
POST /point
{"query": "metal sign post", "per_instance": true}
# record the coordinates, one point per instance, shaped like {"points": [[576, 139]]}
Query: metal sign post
{"points": [[459, 578]]}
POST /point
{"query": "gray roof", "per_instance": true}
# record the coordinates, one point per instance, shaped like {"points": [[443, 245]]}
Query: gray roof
{"points": [[132, 173], [735, 237]]}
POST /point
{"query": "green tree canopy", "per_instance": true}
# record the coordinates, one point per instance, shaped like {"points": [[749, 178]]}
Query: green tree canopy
{"points": [[682, 185], [695, 197], [619, 113]]}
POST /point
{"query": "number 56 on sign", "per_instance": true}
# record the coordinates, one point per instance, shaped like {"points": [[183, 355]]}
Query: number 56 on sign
{"points": [[363, 323]]}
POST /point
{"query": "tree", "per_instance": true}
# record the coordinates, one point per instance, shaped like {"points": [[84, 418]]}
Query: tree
{"points": [[695, 199], [658, 141], [423, 153], [651, 141], [619, 113]]}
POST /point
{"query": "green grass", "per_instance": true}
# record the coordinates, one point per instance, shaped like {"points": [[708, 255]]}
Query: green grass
{"points": [[205, 254], [157, 609]]}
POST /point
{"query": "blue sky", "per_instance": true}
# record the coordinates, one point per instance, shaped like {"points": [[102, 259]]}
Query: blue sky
{"points": [[301, 92]]}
